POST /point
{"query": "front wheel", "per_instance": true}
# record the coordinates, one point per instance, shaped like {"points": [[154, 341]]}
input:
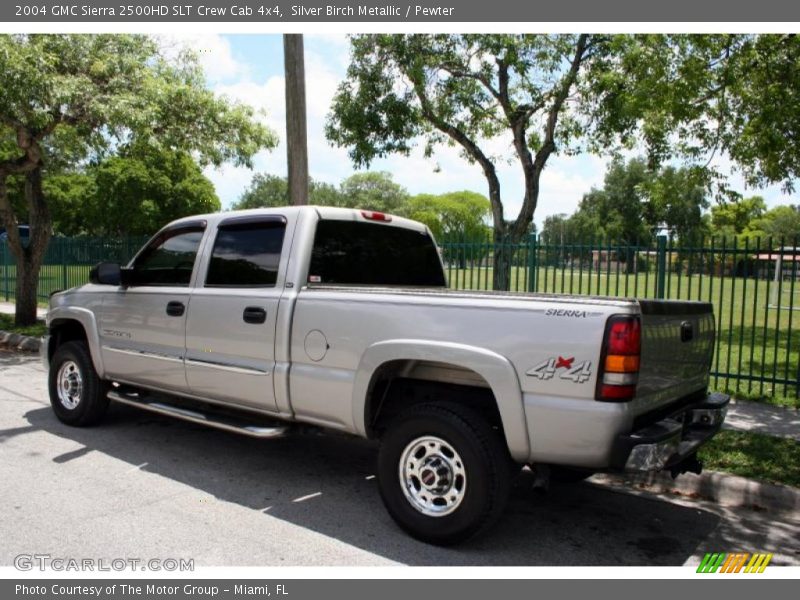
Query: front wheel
{"points": [[77, 394], [443, 472]]}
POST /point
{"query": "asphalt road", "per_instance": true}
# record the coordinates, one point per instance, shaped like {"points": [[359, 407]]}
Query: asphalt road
{"points": [[143, 486]]}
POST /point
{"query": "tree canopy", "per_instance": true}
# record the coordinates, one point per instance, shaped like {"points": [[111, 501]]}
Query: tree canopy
{"points": [[733, 218], [687, 97], [136, 195], [635, 204], [695, 97], [373, 190], [267, 190], [453, 216], [65, 99]]}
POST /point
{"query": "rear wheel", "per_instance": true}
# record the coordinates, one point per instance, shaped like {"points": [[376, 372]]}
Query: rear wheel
{"points": [[444, 473], [77, 394]]}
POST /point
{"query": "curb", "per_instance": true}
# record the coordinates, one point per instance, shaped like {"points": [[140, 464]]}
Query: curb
{"points": [[721, 488], [19, 342]]}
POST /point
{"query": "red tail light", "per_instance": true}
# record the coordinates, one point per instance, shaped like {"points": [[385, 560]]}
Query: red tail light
{"points": [[619, 366], [374, 215], [623, 336]]}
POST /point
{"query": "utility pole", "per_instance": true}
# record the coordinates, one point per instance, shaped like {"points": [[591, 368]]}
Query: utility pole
{"points": [[296, 137]]}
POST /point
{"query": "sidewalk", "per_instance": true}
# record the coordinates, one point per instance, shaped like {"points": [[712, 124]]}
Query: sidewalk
{"points": [[9, 309], [755, 417]]}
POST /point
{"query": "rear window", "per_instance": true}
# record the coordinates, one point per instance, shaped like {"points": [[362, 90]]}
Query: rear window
{"points": [[353, 253]]}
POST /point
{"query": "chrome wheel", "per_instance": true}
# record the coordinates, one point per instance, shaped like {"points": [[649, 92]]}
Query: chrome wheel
{"points": [[70, 385], [432, 476]]}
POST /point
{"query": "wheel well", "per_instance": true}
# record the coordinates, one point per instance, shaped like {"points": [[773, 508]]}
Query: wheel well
{"points": [[396, 385], [62, 331]]}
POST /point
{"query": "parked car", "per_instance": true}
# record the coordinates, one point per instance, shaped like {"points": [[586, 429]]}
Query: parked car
{"points": [[24, 234], [251, 321]]}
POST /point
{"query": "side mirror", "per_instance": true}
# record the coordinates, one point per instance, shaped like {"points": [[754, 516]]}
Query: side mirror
{"points": [[105, 273]]}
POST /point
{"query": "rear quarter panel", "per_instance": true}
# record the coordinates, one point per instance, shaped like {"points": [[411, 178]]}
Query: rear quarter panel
{"points": [[553, 344]]}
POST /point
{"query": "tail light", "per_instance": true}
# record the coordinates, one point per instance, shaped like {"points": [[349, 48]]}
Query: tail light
{"points": [[374, 215], [619, 364]]}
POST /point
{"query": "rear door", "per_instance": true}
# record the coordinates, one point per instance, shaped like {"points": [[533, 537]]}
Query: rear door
{"points": [[677, 347], [142, 327], [230, 332]]}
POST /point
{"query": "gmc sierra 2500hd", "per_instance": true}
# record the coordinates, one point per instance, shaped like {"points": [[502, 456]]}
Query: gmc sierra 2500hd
{"points": [[250, 321]]}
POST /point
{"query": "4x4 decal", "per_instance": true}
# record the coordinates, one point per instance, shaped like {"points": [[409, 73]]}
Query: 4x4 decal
{"points": [[547, 369]]}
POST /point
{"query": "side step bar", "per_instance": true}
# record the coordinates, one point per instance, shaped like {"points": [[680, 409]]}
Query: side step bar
{"points": [[217, 421]]}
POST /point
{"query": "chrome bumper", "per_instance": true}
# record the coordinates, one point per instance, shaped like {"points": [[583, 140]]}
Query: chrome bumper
{"points": [[673, 440]]}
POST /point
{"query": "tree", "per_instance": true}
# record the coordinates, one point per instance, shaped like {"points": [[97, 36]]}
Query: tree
{"points": [[455, 215], [271, 191], [125, 195], [136, 195], [677, 200], [735, 218], [558, 229], [463, 89], [779, 223], [679, 96], [694, 97], [373, 191], [620, 211], [64, 98]]}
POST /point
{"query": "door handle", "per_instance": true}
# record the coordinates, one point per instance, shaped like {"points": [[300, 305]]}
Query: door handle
{"points": [[175, 308], [687, 331], [254, 315]]}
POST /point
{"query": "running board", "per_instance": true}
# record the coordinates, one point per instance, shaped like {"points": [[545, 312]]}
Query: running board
{"points": [[217, 421]]}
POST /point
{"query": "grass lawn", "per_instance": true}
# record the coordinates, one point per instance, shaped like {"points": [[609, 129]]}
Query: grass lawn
{"points": [[51, 278], [755, 456], [7, 324]]}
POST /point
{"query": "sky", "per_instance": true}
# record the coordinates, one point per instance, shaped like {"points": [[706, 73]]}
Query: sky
{"points": [[249, 68]]}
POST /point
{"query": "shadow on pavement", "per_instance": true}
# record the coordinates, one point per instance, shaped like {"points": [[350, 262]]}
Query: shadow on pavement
{"points": [[571, 525]]}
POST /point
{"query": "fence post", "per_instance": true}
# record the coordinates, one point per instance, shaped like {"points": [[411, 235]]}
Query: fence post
{"points": [[532, 263], [661, 265], [63, 253], [5, 270]]}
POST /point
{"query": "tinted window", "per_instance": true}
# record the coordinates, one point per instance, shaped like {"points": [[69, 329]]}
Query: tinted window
{"points": [[246, 255], [169, 258], [354, 253]]}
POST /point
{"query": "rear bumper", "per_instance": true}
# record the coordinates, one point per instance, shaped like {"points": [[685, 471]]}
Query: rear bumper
{"points": [[672, 440]]}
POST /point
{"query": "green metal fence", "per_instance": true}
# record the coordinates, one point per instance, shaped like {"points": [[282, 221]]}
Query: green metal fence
{"points": [[67, 262], [752, 285]]}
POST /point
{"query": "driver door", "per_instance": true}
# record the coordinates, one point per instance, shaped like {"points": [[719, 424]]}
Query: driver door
{"points": [[143, 326]]}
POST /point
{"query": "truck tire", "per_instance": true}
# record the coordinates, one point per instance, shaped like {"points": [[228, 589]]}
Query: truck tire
{"points": [[77, 394], [444, 473]]}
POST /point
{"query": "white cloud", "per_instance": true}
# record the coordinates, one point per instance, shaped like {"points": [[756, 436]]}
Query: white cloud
{"points": [[325, 163], [213, 52], [563, 182]]}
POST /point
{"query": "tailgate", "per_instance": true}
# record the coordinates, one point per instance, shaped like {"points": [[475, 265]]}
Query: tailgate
{"points": [[677, 347]]}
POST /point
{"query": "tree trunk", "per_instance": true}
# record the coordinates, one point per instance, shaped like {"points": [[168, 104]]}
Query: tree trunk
{"points": [[296, 137], [503, 257], [26, 291], [29, 258]]}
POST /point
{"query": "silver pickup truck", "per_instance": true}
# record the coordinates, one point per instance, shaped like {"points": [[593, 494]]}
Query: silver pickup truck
{"points": [[251, 321]]}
